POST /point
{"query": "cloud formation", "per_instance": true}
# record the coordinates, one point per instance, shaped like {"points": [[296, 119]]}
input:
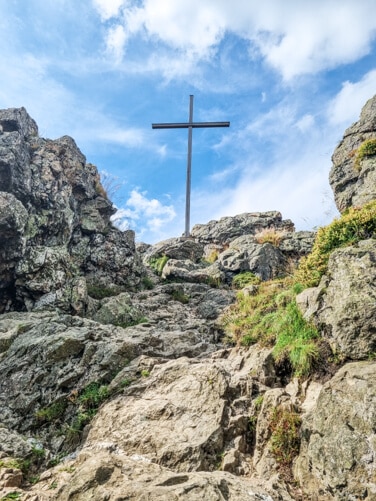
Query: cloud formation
{"points": [[147, 214], [292, 36]]}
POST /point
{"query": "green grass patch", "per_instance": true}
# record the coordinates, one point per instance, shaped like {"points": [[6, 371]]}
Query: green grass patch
{"points": [[98, 291], [285, 438], [52, 412], [245, 278], [158, 263], [366, 149], [272, 318], [354, 225]]}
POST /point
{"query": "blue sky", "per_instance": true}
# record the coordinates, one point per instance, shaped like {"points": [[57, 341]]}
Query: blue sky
{"points": [[290, 76]]}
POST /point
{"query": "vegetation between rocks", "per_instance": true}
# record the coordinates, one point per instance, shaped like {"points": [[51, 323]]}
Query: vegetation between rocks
{"points": [[366, 149], [354, 225], [271, 317], [285, 438], [158, 263]]}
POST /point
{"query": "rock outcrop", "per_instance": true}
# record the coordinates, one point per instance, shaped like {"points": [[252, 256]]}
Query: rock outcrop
{"points": [[354, 183], [55, 223], [337, 459], [349, 323]]}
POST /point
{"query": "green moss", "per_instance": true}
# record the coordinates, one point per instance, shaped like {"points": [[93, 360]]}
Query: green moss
{"points": [[52, 412], [158, 263], [132, 323], [178, 295], [366, 149], [354, 225], [245, 278], [272, 318], [98, 291]]}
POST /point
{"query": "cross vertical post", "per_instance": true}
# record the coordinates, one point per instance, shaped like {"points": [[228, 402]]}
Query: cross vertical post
{"points": [[189, 170], [190, 125]]}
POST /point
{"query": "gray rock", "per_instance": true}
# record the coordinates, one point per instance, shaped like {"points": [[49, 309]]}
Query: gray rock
{"points": [[175, 248], [228, 228], [344, 304], [297, 243], [353, 187], [13, 444], [103, 473], [13, 217], [264, 260], [337, 456], [186, 270], [55, 216]]}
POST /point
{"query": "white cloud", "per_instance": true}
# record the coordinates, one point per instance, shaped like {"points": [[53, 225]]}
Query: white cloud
{"points": [[108, 8], [131, 137], [345, 107], [294, 37], [115, 42], [148, 216]]}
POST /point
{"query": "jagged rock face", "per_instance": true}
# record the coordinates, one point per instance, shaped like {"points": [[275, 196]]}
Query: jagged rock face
{"points": [[64, 354], [354, 186], [219, 250], [337, 456], [55, 217], [343, 306], [228, 228]]}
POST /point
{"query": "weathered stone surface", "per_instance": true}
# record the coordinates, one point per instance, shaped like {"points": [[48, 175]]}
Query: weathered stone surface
{"points": [[264, 260], [13, 217], [228, 228], [56, 217], [337, 460], [353, 187], [175, 248], [12, 444], [188, 271], [344, 305], [297, 243], [104, 473]]}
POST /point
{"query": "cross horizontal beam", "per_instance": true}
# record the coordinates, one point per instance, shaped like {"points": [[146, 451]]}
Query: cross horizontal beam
{"points": [[194, 125], [189, 125]]}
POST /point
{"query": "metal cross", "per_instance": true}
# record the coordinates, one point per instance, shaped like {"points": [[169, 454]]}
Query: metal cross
{"points": [[189, 125]]}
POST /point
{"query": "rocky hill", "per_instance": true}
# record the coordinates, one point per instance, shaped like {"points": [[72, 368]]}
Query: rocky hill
{"points": [[237, 364]]}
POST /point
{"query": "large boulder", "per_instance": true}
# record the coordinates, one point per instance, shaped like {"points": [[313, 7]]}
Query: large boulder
{"points": [[55, 217], [228, 228], [343, 306], [337, 456], [354, 183]]}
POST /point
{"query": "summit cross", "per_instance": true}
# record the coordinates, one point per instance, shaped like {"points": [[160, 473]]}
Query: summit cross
{"points": [[189, 125]]}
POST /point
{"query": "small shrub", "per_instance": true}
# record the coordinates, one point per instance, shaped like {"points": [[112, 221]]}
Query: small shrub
{"points": [[178, 295], [11, 495], [98, 291], [51, 413], [93, 395], [212, 257], [354, 225], [366, 149], [132, 322], [258, 402], [158, 263], [147, 283], [145, 373], [270, 235], [245, 278], [285, 439], [295, 341]]}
